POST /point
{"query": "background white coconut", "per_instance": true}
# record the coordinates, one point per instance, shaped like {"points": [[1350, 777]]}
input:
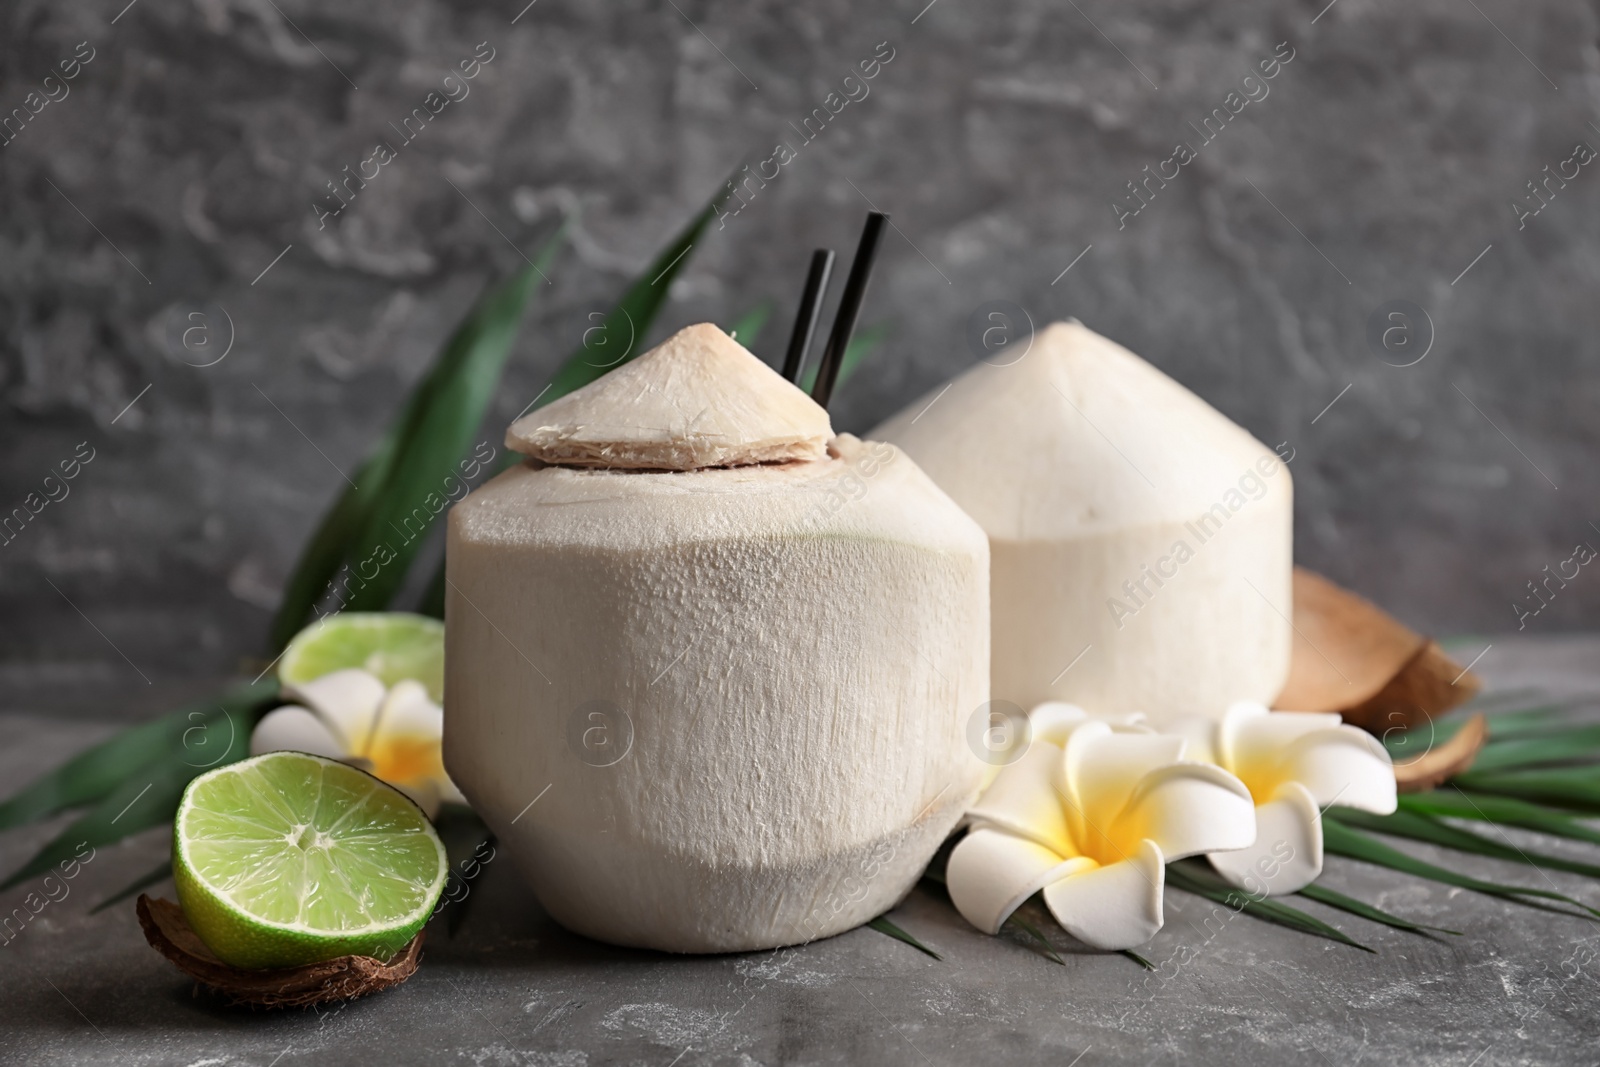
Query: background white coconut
{"points": [[740, 695], [1130, 524]]}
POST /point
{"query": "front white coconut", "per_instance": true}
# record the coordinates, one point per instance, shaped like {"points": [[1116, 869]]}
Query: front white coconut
{"points": [[716, 709], [1141, 543]]}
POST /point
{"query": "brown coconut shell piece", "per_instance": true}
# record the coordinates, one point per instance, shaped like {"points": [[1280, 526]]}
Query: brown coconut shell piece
{"points": [[1453, 757], [1352, 657], [284, 987]]}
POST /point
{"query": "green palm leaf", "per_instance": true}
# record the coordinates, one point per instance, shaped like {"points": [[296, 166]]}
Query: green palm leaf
{"points": [[1335, 899], [1503, 811], [618, 338], [751, 323], [380, 522], [1420, 827], [1016, 919], [864, 343], [1342, 840], [94, 774], [1193, 876], [884, 926], [1570, 745], [147, 795], [452, 400], [1503, 727], [1567, 788], [322, 556]]}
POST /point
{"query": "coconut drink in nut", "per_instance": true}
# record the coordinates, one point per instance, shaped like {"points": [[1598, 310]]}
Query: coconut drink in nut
{"points": [[710, 667], [1140, 541]]}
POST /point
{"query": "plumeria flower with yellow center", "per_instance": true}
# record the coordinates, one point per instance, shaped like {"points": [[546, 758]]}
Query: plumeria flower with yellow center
{"points": [[350, 715], [1092, 816], [1295, 764]]}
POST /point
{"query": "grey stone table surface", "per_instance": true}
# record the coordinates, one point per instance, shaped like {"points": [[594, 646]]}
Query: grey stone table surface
{"points": [[512, 988]]}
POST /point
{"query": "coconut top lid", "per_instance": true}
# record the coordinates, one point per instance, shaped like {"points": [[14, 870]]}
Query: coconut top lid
{"points": [[1079, 436], [699, 399]]}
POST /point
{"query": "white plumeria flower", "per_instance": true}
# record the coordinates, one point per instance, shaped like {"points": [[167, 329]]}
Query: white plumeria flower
{"points": [[1295, 763], [1092, 816], [349, 715]]}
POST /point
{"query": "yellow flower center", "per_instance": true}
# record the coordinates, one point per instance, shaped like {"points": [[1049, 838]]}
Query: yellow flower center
{"points": [[405, 758]]}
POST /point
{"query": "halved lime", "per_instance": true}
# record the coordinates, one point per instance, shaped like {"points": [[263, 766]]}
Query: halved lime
{"points": [[288, 859], [393, 645]]}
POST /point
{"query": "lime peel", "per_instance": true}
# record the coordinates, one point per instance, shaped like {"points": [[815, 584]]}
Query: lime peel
{"points": [[288, 859], [390, 645]]}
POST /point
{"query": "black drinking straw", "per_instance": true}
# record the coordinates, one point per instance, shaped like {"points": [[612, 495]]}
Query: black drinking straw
{"points": [[805, 319], [844, 323]]}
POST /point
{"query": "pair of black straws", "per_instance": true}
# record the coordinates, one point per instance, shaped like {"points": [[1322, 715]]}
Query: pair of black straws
{"points": [[844, 322]]}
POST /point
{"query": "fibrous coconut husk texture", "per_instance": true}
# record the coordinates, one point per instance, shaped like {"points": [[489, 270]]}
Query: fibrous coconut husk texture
{"points": [[1352, 657], [343, 978]]}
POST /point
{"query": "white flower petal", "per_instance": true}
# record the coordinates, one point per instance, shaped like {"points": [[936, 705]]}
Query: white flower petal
{"points": [[1287, 853], [1252, 740], [1024, 799], [1200, 740], [1053, 720], [294, 729], [992, 872], [409, 717], [1343, 765], [1103, 769], [1190, 808], [1112, 907], [347, 699], [406, 709]]}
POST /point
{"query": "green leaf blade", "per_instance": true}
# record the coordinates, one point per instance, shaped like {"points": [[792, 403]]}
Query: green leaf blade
{"points": [[749, 326], [1420, 827], [322, 556], [1567, 788], [416, 456], [456, 394], [1334, 899], [1194, 877], [863, 345], [93, 774], [629, 320], [884, 926], [1458, 803], [1570, 745], [147, 795], [1015, 919], [1342, 840]]}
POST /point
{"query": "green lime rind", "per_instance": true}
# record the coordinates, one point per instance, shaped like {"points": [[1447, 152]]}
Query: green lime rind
{"points": [[393, 645], [288, 859]]}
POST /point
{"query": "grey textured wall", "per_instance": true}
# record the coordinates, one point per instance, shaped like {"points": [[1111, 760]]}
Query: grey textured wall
{"points": [[190, 150]]}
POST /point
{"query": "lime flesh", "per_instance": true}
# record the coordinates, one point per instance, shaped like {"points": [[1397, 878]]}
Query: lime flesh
{"points": [[393, 645], [288, 859]]}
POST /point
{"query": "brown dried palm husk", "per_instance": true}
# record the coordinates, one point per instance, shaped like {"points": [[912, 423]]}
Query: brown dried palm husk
{"points": [[169, 933], [1352, 657]]}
